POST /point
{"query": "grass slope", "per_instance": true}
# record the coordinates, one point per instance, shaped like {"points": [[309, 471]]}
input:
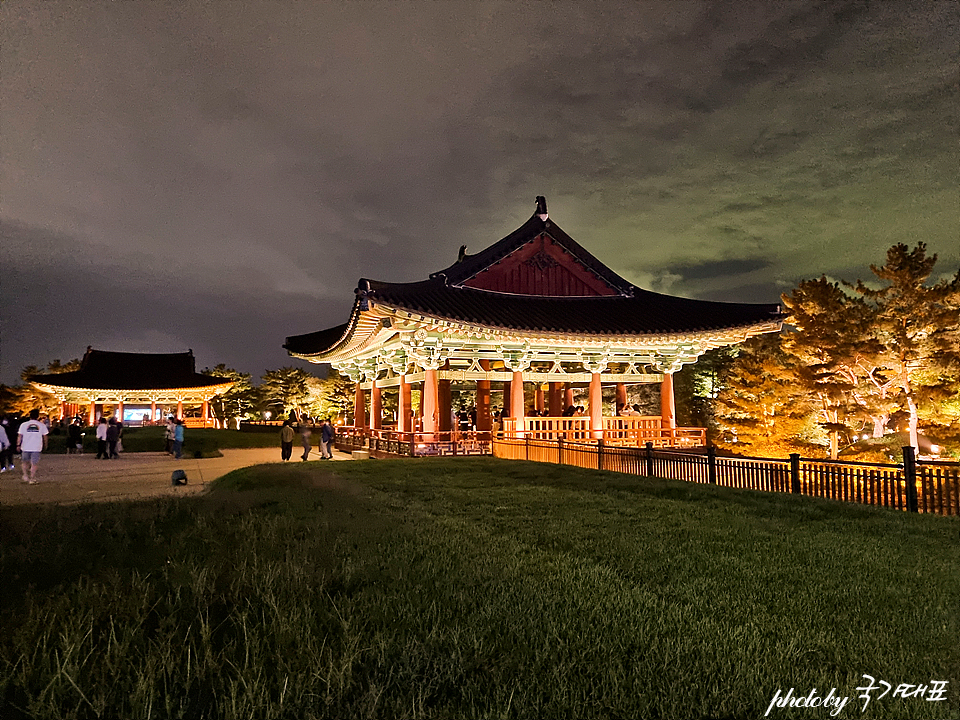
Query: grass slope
{"points": [[470, 588]]}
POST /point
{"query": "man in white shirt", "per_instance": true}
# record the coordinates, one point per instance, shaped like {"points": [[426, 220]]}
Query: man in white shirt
{"points": [[31, 441]]}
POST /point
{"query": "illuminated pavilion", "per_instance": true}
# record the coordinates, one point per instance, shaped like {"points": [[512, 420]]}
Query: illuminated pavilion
{"points": [[133, 386], [534, 308]]}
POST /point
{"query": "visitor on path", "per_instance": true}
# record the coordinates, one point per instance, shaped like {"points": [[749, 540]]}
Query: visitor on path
{"points": [[113, 437], [102, 451], [178, 439], [305, 433], [286, 441], [8, 428], [168, 435], [4, 445], [31, 441], [327, 433], [74, 437]]}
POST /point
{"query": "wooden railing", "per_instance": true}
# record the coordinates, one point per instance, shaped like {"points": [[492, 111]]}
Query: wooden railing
{"points": [[390, 443], [627, 430], [927, 486]]}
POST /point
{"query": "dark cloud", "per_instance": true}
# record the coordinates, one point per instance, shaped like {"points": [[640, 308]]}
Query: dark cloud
{"points": [[217, 168]]}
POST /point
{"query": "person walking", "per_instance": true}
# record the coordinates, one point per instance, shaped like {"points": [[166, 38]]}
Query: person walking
{"points": [[75, 437], [113, 436], [306, 431], [9, 431], [327, 433], [31, 441], [102, 451], [178, 439], [286, 441], [168, 435], [4, 446]]}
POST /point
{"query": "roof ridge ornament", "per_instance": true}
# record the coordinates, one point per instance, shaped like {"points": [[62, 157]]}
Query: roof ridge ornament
{"points": [[542, 208]]}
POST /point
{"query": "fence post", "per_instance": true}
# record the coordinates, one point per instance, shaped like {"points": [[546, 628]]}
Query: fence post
{"points": [[712, 464], [559, 451], [600, 454], [910, 478], [413, 444], [649, 459], [526, 444], [795, 473]]}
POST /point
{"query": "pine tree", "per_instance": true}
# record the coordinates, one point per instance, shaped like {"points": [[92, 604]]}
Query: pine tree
{"points": [[915, 328], [238, 402], [828, 350], [761, 411]]}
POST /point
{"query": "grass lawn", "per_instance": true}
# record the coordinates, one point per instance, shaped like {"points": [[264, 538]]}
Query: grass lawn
{"points": [[206, 441], [471, 588]]}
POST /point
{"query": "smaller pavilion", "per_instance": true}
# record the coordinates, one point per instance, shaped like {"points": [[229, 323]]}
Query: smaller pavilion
{"points": [[136, 387]]}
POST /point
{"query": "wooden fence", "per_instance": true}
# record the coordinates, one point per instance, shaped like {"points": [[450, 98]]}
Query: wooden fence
{"points": [[914, 486]]}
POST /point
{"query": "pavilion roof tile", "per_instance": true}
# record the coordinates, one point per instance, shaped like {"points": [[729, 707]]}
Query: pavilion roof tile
{"points": [[102, 369]]}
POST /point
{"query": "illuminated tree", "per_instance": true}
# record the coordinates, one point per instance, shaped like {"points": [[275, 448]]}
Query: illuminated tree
{"points": [[285, 389], [832, 338], [915, 329], [329, 397], [239, 402], [761, 409]]}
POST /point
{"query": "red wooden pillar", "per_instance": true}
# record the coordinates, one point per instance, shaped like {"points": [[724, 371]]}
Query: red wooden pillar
{"points": [[596, 407], [668, 410], [567, 395], [92, 416], [539, 398], [621, 395], [555, 399], [516, 402], [403, 406], [205, 412], [63, 409], [359, 407], [179, 409], [484, 423], [376, 409], [120, 411], [153, 411], [443, 403], [428, 402]]}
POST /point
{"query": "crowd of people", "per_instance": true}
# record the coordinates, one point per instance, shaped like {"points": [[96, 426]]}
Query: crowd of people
{"points": [[306, 427]]}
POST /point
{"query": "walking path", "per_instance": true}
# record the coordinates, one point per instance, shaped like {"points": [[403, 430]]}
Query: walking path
{"points": [[71, 479]]}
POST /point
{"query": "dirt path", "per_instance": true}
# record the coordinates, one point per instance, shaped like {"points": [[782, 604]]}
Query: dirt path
{"points": [[71, 479]]}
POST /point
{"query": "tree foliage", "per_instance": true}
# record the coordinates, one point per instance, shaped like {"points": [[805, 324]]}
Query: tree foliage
{"points": [[238, 403]]}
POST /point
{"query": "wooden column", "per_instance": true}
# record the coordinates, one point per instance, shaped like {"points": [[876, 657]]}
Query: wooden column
{"points": [[205, 411], [428, 400], [359, 407], [621, 395], [596, 407], [567, 395], [404, 423], [179, 409], [376, 409], [539, 398], [516, 401], [63, 409], [555, 399], [92, 417], [443, 403], [120, 411], [484, 423], [668, 410], [153, 411]]}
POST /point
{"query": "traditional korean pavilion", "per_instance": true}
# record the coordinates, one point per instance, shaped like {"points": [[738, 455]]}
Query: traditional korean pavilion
{"points": [[535, 307], [133, 385]]}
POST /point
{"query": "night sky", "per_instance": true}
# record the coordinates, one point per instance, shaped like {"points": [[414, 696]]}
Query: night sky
{"points": [[218, 176]]}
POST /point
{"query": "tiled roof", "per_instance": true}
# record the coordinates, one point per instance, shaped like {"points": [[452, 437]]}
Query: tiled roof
{"points": [[315, 341], [101, 369], [642, 313]]}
